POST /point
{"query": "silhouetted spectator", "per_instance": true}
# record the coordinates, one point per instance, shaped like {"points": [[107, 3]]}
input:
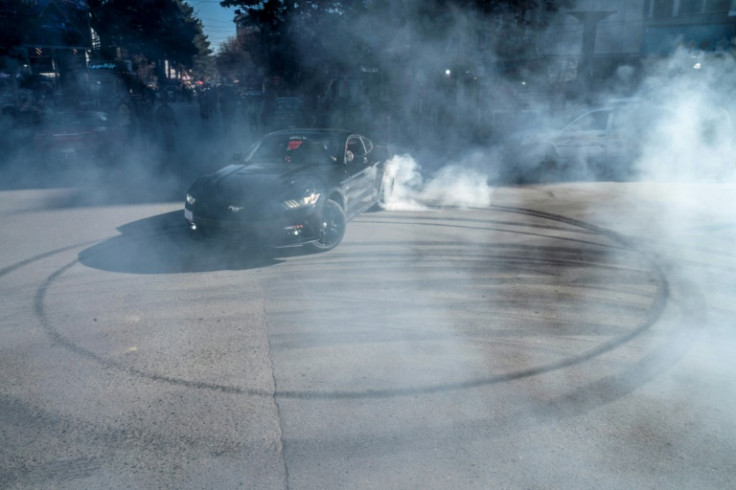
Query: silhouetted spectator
{"points": [[126, 116], [145, 115], [268, 104], [251, 103], [166, 122], [228, 104], [28, 113], [207, 104]]}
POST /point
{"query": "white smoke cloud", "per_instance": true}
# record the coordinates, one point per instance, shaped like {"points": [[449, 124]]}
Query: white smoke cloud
{"points": [[407, 180], [452, 186], [695, 141]]}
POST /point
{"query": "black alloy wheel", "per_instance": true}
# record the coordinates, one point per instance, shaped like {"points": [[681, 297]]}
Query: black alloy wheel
{"points": [[332, 227]]}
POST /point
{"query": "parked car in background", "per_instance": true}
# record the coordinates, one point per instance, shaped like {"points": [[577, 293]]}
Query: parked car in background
{"points": [[72, 136], [504, 123], [601, 143], [292, 188]]}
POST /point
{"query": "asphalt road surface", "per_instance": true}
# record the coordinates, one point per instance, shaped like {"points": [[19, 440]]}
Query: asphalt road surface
{"points": [[568, 336]]}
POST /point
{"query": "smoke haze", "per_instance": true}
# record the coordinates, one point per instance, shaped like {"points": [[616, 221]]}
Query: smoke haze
{"points": [[469, 331], [450, 113]]}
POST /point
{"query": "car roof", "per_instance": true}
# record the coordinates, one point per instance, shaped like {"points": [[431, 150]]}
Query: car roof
{"points": [[316, 132]]}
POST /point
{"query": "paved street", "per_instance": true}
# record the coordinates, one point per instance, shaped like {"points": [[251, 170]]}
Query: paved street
{"points": [[567, 336]]}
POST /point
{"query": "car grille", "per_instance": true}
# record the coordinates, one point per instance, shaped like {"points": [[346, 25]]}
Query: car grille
{"points": [[222, 210], [233, 230]]}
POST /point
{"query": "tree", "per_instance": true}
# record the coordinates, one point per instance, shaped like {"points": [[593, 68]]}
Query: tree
{"points": [[263, 25], [423, 64], [158, 30], [333, 29], [17, 21], [234, 60], [276, 32]]}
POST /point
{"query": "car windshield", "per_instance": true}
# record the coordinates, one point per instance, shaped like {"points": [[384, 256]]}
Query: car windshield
{"points": [[291, 148]]}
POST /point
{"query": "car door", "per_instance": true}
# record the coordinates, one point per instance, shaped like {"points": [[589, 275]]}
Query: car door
{"points": [[359, 188], [621, 139], [376, 160], [585, 139]]}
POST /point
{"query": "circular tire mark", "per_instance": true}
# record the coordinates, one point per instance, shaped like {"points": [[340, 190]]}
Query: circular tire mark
{"points": [[655, 311]]}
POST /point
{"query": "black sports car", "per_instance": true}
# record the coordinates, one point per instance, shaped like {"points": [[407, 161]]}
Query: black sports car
{"points": [[292, 187]]}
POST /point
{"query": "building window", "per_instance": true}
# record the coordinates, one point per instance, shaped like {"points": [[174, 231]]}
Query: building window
{"points": [[662, 8], [717, 5], [690, 7]]}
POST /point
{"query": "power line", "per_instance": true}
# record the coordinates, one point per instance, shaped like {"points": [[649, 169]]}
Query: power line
{"points": [[221, 22]]}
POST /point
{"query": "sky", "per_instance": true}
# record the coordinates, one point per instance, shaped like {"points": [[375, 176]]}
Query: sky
{"points": [[217, 21]]}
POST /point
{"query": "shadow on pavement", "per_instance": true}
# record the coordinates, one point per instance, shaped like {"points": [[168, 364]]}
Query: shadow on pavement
{"points": [[161, 244]]}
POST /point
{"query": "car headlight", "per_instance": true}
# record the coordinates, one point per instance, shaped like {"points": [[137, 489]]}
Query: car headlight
{"points": [[307, 200], [190, 199]]}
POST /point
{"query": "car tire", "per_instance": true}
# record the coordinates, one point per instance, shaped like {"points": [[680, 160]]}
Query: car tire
{"points": [[385, 191], [551, 167], [332, 227]]}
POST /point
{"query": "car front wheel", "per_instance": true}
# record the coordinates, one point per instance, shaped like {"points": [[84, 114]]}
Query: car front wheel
{"points": [[331, 227]]}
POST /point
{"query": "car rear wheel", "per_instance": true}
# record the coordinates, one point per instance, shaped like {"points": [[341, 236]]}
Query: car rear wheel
{"points": [[383, 196], [331, 227], [387, 188], [551, 167]]}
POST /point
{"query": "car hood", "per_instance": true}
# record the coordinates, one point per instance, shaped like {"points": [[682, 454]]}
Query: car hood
{"points": [[256, 182], [532, 136]]}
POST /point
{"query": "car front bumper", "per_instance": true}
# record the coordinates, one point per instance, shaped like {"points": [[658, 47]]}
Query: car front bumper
{"points": [[287, 230]]}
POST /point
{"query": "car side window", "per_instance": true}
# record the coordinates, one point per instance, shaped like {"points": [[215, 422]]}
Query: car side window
{"points": [[367, 144], [592, 121], [355, 146], [615, 123], [354, 150]]}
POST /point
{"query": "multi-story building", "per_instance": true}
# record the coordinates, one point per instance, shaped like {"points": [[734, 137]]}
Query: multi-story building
{"points": [[626, 31], [708, 25]]}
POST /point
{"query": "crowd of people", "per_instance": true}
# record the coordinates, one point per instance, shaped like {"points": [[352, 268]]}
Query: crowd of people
{"points": [[142, 118], [164, 122]]}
